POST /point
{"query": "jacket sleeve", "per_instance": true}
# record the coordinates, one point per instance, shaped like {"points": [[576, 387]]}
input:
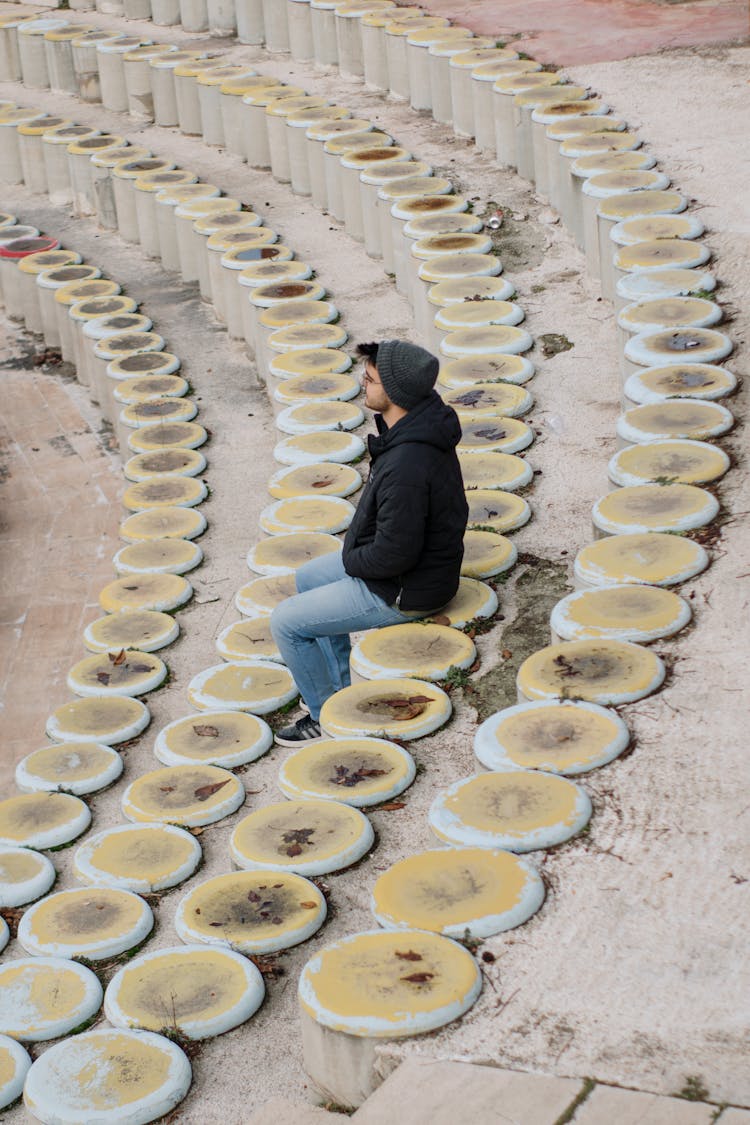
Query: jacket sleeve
{"points": [[399, 536]]}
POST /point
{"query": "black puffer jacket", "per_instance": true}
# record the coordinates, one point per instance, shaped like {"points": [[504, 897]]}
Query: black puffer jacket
{"points": [[406, 538]]}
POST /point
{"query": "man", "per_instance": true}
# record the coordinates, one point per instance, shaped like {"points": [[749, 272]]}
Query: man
{"points": [[402, 553]]}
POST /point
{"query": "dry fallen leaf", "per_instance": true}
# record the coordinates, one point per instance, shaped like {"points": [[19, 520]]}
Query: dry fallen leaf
{"points": [[409, 955], [308, 905], [390, 806], [118, 657], [419, 978], [205, 730], [103, 677], [203, 792]]}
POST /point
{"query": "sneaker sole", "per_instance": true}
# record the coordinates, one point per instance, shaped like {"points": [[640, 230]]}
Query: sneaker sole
{"points": [[299, 741]]}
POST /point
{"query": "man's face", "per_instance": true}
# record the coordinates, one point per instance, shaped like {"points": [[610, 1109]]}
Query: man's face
{"points": [[375, 397]]}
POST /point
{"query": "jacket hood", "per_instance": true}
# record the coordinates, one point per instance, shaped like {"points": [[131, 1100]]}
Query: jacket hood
{"points": [[431, 422]]}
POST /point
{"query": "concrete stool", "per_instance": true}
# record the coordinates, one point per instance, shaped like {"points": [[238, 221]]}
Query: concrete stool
{"points": [[276, 25], [299, 24], [328, 514], [32, 978], [92, 333], [73, 292], [140, 858], [231, 94], [528, 736], [165, 13], [634, 287], [186, 91], [257, 686], [162, 67], [323, 31], [250, 22], [504, 91], [396, 49], [86, 62], [209, 85], [696, 381], [273, 310], [108, 721], [326, 479], [460, 69], [680, 418], [111, 61], [30, 154], [347, 20], [167, 200], [370, 182], [137, 68], [190, 244], [81, 171], [371, 770], [59, 54], [82, 310], [254, 125], [678, 460], [418, 43], [340, 1039], [164, 523], [194, 15], [448, 267], [598, 190], [343, 142], [651, 557], [298, 123], [352, 164], [144, 802], [624, 612], [437, 246], [146, 188], [276, 114], [525, 103], [12, 252], [225, 224], [222, 18], [483, 78], [655, 349], [55, 144], [439, 55], [263, 273], [547, 115], [424, 651], [101, 179], [124, 175], [657, 255], [31, 52], [29, 268], [10, 60], [400, 201], [666, 313], [240, 738], [607, 672], [48, 282], [654, 507], [234, 250], [247, 251], [114, 346]]}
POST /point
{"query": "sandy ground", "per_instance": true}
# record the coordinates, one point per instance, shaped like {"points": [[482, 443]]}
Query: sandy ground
{"points": [[632, 971]]}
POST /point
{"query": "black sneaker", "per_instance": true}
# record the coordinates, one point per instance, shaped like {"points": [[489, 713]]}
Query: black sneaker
{"points": [[297, 734]]}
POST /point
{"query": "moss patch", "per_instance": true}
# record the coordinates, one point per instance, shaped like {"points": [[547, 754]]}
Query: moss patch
{"points": [[539, 586]]}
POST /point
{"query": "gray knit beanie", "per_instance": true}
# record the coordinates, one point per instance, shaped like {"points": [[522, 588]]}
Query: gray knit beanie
{"points": [[407, 372]]}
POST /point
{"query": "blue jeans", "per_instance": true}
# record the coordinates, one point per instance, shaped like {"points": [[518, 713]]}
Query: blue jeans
{"points": [[312, 628]]}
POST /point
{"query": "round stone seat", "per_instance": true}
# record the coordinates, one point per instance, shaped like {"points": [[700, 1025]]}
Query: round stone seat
{"points": [[164, 491], [42, 998], [494, 435], [319, 417], [495, 510], [650, 557], [25, 875], [424, 651], [654, 349], [154, 411], [167, 435], [96, 923], [146, 388], [570, 737], [253, 912], [257, 686], [205, 991], [356, 771], [248, 639], [477, 314], [160, 592], [680, 418], [704, 381], [661, 254], [493, 368], [158, 556], [677, 461], [122, 673], [625, 612], [654, 507], [327, 514], [69, 767], [144, 629], [163, 523], [400, 708], [91, 1075], [489, 400], [191, 795], [474, 600], [505, 339], [14, 1066], [217, 738], [309, 837], [310, 364], [503, 471], [669, 312], [166, 462], [458, 892], [315, 387], [323, 479], [109, 721], [319, 445], [487, 554], [283, 554], [261, 596], [595, 671], [521, 810], [142, 858], [663, 283]]}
